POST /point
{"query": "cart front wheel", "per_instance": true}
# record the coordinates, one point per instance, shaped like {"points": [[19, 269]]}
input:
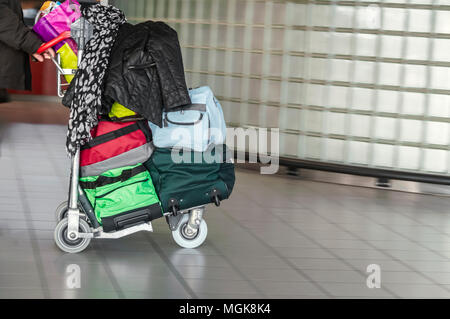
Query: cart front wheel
{"points": [[65, 243], [186, 241]]}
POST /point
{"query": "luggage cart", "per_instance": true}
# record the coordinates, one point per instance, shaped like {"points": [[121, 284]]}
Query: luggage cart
{"points": [[77, 224]]}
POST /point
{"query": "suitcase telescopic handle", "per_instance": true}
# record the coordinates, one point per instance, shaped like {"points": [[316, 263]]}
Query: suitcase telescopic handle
{"points": [[44, 47]]}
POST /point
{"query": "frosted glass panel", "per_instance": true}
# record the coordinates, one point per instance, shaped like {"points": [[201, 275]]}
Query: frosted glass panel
{"points": [[343, 16], [341, 43], [321, 15], [440, 78], [340, 70], [417, 48], [272, 114], [296, 65], [419, 20], [274, 91], [413, 103], [314, 121], [387, 101], [389, 73], [334, 150], [363, 71], [338, 96], [366, 44], [360, 125], [298, 14], [415, 76], [293, 119], [385, 128], [362, 99], [312, 147], [391, 46], [435, 160], [336, 123], [409, 157], [295, 95], [437, 133], [443, 21], [315, 94], [358, 153], [393, 18], [297, 38], [318, 69], [411, 130], [289, 144], [368, 17], [441, 50], [319, 42], [439, 105], [383, 155]]}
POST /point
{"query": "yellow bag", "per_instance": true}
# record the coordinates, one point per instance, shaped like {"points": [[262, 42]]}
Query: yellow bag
{"points": [[68, 60], [120, 112]]}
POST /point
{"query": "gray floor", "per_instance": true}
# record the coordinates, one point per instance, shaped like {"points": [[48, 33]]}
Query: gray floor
{"points": [[276, 237]]}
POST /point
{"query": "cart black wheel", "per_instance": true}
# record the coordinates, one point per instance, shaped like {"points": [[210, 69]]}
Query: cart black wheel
{"points": [[65, 243]]}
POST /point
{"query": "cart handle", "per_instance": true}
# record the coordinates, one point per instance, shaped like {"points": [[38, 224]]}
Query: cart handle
{"points": [[44, 47]]}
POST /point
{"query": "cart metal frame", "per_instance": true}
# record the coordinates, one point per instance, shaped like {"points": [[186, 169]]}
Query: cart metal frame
{"points": [[78, 206]]}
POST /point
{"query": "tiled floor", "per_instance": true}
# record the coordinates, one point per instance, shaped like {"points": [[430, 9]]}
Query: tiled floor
{"points": [[277, 237]]}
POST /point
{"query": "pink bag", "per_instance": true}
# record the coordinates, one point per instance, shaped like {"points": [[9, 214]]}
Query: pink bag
{"points": [[57, 21]]}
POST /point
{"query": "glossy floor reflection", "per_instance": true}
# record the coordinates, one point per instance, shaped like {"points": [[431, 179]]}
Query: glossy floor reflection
{"points": [[277, 237]]}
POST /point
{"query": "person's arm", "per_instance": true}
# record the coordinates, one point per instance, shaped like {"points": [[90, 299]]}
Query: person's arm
{"points": [[14, 33]]}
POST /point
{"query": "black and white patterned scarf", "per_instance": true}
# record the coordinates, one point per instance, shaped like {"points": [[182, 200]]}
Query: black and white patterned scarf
{"points": [[87, 84]]}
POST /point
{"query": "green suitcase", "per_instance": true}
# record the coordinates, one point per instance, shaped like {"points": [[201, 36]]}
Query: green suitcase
{"points": [[122, 197]]}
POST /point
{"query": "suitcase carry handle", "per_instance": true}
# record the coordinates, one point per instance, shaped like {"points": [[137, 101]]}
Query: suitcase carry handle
{"points": [[44, 47], [166, 120]]}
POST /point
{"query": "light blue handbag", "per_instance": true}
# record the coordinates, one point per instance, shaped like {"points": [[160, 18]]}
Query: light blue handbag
{"points": [[195, 126]]}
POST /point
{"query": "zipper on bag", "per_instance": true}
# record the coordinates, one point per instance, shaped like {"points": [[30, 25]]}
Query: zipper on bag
{"points": [[141, 66]]}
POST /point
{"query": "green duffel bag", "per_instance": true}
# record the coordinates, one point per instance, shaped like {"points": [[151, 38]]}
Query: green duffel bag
{"points": [[122, 197], [201, 178]]}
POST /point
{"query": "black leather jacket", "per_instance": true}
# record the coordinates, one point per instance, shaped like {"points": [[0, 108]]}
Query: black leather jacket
{"points": [[146, 72]]}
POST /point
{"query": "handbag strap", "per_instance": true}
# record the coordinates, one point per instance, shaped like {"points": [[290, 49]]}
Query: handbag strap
{"points": [[110, 136], [106, 180]]}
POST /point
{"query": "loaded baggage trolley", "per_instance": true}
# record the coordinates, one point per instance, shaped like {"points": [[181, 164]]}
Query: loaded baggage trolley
{"points": [[77, 223]]}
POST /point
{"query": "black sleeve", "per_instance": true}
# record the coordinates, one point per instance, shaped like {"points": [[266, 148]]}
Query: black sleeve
{"points": [[14, 33]]}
